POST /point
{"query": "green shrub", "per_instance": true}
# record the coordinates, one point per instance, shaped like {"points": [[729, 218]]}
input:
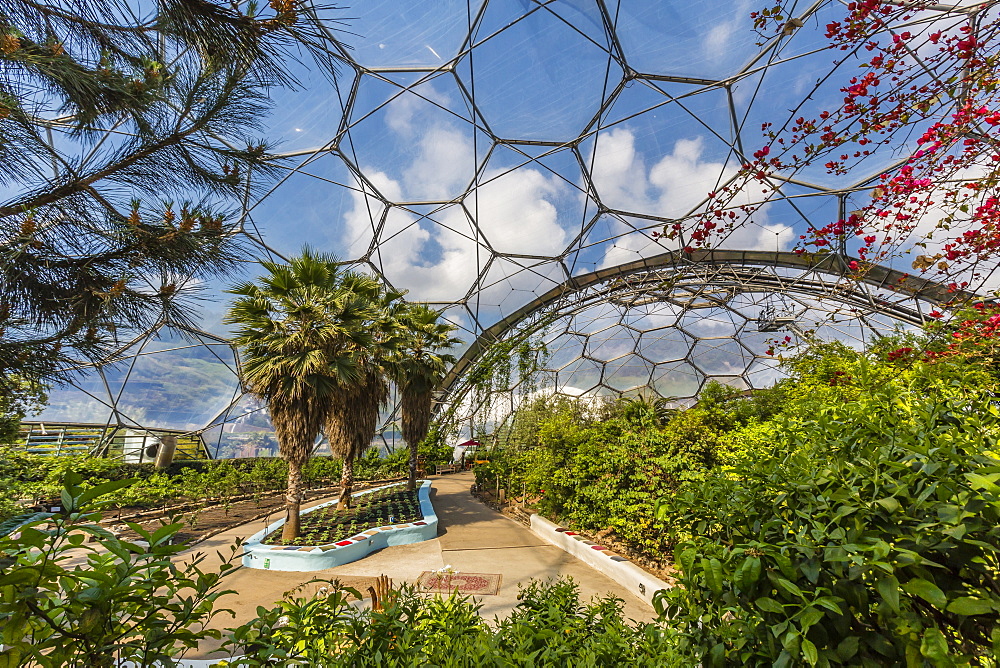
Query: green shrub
{"points": [[127, 602], [550, 627], [874, 541], [604, 472], [434, 448]]}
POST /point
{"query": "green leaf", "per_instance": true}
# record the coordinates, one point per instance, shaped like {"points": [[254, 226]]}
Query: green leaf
{"points": [[926, 590], [809, 651], [934, 646], [713, 574], [848, 647], [19, 576], [784, 565], [984, 482], [9, 526], [67, 500], [717, 655], [966, 605], [809, 617], [10, 658], [888, 589], [104, 489], [788, 587], [811, 570], [748, 573], [769, 605], [889, 503]]}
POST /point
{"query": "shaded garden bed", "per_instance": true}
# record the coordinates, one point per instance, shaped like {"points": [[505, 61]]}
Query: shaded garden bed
{"points": [[378, 509]]}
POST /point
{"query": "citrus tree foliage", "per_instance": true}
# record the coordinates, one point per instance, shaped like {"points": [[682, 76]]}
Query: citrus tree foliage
{"points": [[121, 139], [130, 602], [869, 538]]}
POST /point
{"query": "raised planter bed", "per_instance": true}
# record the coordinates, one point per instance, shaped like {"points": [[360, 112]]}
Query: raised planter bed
{"points": [[257, 554]]}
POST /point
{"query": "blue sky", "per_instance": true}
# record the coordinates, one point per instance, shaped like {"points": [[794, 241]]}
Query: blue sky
{"points": [[478, 154]]}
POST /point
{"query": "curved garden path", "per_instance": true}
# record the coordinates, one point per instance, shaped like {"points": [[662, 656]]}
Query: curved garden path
{"points": [[472, 538]]}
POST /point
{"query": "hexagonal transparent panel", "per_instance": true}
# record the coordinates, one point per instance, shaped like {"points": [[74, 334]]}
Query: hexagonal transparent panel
{"points": [[493, 157]]}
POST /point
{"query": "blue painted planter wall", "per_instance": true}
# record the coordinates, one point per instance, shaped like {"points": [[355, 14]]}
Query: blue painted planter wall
{"points": [[257, 554]]}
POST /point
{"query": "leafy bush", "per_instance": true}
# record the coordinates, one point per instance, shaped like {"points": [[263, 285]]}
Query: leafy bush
{"points": [[874, 540], [602, 471], [128, 602], [550, 627]]}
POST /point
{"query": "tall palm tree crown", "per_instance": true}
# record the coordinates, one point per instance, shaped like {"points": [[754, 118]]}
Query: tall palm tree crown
{"points": [[418, 369], [301, 331]]}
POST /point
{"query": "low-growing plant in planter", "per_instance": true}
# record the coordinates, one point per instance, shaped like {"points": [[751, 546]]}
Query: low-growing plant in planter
{"points": [[371, 511]]}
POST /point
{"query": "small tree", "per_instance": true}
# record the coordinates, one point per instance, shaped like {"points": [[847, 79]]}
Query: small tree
{"points": [[419, 369], [301, 332]]}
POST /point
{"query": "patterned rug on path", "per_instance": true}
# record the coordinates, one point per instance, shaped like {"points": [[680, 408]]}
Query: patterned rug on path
{"points": [[476, 584]]}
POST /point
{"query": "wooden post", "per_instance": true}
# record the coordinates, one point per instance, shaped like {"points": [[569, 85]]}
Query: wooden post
{"points": [[165, 453]]}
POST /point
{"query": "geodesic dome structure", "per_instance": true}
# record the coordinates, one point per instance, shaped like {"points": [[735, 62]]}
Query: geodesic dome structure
{"points": [[482, 154], [664, 326]]}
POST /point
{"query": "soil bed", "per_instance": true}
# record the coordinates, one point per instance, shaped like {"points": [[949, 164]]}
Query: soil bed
{"points": [[381, 508], [205, 522]]}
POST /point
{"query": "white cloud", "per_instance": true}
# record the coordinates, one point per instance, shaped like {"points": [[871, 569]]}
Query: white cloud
{"points": [[517, 213], [716, 47], [674, 187], [437, 258], [407, 113], [442, 167], [619, 172]]}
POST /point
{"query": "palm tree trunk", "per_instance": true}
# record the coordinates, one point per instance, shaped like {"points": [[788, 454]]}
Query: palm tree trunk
{"points": [[346, 483], [411, 482], [293, 499], [416, 405]]}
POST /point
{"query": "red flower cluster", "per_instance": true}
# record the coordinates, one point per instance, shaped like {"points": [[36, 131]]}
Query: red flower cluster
{"points": [[899, 354], [840, 378]]}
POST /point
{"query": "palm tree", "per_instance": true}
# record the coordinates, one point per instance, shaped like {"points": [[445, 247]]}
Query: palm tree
{"points": [[351, 425], [418, 370], [300, 330]]}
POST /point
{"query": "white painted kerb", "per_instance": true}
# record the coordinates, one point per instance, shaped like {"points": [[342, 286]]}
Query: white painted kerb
{"points": [[624, 572]]}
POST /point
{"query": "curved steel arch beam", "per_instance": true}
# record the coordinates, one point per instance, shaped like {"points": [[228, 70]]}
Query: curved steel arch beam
{"points": [[834, 264]]}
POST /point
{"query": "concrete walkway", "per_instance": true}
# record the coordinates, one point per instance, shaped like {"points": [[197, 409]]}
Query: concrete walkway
{"points": [[471, 539]]}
